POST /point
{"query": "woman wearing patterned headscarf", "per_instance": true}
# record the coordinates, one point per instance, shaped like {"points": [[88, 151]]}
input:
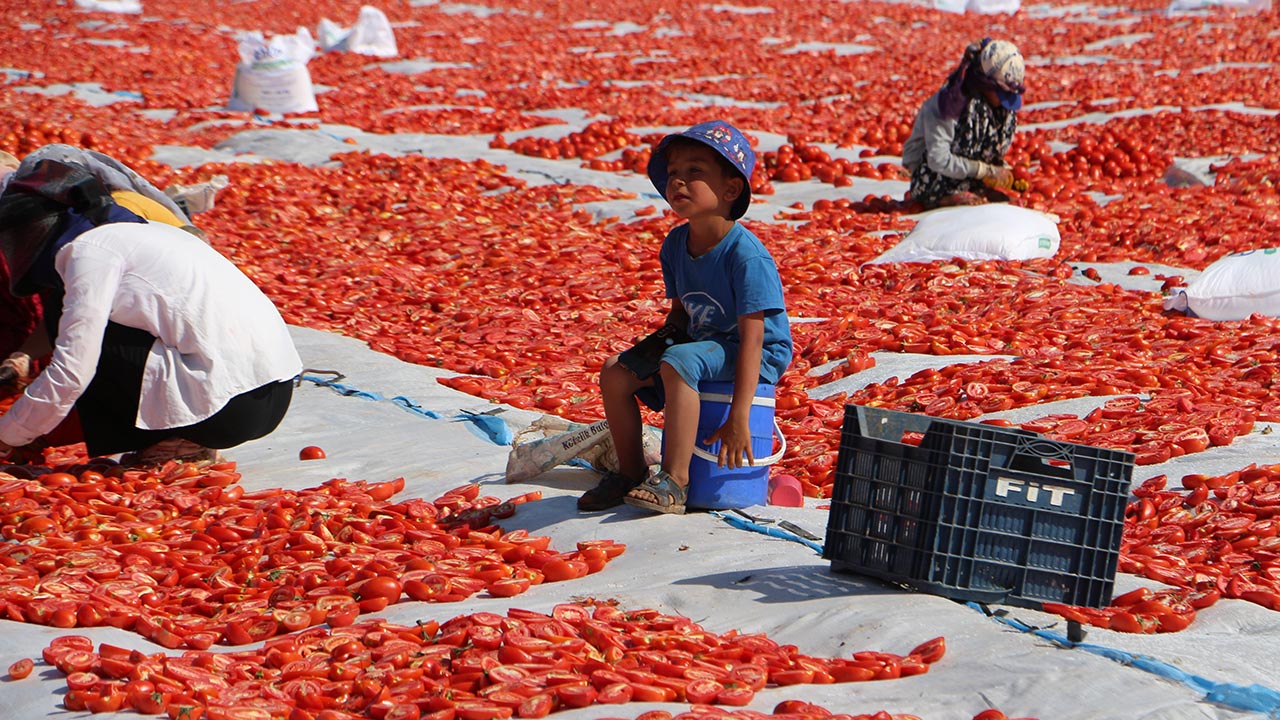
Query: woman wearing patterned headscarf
{"points": [[956, 150]]}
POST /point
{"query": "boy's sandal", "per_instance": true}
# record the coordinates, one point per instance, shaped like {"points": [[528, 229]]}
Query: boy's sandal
{"points": [[671, 496], [608, 493]]}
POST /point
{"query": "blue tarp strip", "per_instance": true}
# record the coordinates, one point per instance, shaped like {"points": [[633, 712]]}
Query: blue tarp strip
{"points": [[1254, 698], [493, 428]]}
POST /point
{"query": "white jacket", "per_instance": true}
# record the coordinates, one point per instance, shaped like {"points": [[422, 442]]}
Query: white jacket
{"points": [[218, 334]]}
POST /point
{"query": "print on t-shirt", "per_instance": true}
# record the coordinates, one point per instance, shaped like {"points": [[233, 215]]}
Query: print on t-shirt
{"points": [[705, 314]]}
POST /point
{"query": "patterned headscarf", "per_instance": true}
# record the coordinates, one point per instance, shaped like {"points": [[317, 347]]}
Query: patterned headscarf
{"points": [[989, 65]]}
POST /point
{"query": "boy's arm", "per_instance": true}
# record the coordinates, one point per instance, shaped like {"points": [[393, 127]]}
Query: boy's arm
{"points": [[677, 315], [735, 434]]}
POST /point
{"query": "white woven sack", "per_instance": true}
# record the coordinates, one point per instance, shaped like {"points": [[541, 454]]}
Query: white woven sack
{"points": [[1233, 288], [371, 35], [331, 36], [996, 231], [272, 74]]}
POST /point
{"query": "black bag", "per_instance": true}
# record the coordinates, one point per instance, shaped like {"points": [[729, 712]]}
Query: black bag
{"points": [[645, 356]]}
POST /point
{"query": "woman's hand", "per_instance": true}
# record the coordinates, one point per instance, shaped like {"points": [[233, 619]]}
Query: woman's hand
{"points": [[997, 176], [5, 450], [15, 367], [735, 444]]}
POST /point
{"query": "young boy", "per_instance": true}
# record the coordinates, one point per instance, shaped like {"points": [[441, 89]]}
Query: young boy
{"points": [[726, 295]]}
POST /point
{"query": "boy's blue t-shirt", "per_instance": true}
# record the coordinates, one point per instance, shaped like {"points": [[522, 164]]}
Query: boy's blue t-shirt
{"points": [[737, 277]]}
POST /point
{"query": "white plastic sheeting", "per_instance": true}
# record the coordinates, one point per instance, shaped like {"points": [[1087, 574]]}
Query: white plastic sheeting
{"points": [[129, 7], [982, 7], [1248, 6]]}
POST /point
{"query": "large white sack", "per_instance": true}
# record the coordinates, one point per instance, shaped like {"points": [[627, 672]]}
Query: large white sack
{"points": [[1233, 288], [371, 35], [272, 74], [996, 231]]}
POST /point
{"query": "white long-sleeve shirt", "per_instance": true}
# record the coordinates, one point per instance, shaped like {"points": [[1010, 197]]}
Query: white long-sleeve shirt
{"points": [[217, 334]]}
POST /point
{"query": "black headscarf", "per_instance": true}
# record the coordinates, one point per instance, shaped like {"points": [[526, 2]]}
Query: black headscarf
{"points": [[37, 209]]}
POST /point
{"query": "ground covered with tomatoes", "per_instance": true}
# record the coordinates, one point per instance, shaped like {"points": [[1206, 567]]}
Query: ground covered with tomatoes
{"points": [[463, 233]]}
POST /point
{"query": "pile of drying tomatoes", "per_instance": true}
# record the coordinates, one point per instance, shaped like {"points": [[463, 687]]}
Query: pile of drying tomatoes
{"points": [[524, 292], [184, 557], [593, 141], [181, 555], [1220, 538], [479, 666]]}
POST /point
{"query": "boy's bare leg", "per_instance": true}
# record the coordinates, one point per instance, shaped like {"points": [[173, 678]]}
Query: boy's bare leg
{"points": [[679, 433], [617, 388], [680, 424], [617, 391]]}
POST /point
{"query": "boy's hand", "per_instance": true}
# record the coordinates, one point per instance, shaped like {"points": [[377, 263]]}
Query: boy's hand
{"points": [[735, 442]]}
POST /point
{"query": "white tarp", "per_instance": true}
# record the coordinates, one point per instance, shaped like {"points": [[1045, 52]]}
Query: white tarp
{"points": [[1247, 6], [112, 6], [982, 7], [720, 576]]}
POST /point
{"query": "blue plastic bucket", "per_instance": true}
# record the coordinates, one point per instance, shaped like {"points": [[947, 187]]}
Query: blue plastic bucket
{"points": [[712, 487]]}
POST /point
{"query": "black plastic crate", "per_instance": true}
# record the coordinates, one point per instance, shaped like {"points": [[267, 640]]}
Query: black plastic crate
{"points": [[977, 512]]}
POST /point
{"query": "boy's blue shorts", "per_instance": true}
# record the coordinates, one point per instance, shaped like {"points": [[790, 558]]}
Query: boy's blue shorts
{"points": [[697, 362]]}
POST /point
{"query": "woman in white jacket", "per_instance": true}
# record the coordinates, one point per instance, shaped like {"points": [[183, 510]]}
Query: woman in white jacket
{"points": [[160, 344], [961, 133]]}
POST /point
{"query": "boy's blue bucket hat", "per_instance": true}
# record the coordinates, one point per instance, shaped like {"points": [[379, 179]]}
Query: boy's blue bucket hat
{"points": [[724, 139]]}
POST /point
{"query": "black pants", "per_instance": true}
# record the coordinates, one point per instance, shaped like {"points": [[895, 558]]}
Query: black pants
{"points": [[108, 408]]}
